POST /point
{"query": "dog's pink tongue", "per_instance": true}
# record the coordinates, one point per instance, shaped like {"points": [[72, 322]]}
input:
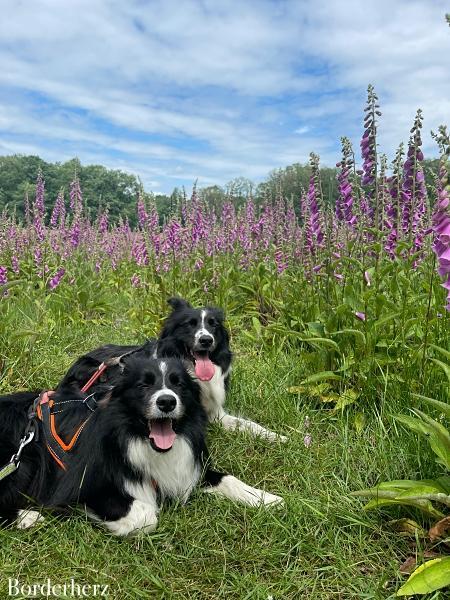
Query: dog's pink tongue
{"points": [[204, 368], [162, 434]]}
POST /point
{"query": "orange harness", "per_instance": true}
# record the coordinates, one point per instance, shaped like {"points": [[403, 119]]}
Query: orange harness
{"points": [[44, 409]]}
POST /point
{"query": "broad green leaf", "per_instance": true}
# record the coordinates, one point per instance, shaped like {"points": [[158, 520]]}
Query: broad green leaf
{"points": [[256, 325], [439, 438], [424, 505], [420, 490], [311, 390], [359, 421], [407, 484], [415, 424], [432, 575], [346, 398], [322, 342], [444, 367], [322, 376], [316, 328], [386, 319], [442, 406], [297, 389], [444, 352], [444, 483], [329, 397], [358, 335]]}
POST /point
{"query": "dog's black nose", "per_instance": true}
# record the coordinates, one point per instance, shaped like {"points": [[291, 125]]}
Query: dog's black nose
{"points": [[206, 341], [166, 403]]}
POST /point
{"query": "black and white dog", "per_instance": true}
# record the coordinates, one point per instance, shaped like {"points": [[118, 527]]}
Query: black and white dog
{"points": [[144, 443], [200, 338]]}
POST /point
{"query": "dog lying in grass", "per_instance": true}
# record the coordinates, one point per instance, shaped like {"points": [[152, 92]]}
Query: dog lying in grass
{"points": [[200, 338], [120, 452]]}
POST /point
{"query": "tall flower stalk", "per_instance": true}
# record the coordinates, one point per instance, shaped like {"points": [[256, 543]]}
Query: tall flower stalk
{"points": [[441, 213]]}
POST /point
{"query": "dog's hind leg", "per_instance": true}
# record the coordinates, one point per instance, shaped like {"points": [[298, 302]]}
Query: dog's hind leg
{"points": [[28, 518], [227, 486], [239, 423]]}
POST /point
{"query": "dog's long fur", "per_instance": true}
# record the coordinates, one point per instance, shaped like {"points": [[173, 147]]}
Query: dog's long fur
{"points": [[181, 336], [115, 470]]}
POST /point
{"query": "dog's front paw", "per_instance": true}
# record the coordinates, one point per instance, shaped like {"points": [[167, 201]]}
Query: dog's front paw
{"points": [[271, 436], [270, 499], [28, 518]]}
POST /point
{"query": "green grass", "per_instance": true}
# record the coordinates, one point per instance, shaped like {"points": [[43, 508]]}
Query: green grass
{"points": [[320, 545]]}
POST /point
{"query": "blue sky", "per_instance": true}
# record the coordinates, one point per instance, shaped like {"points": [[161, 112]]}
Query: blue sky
{"points": [[175, 91]]}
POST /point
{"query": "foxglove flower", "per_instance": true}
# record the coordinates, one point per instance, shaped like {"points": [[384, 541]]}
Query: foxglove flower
{"points": [[344, 203], [39, 203], [369, 155], [441, 213], [59, 211], [392, 215], [56, 279]]}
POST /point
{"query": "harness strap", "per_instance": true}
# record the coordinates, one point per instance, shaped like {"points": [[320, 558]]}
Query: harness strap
{"points": [[102, 367], [54, 442]]}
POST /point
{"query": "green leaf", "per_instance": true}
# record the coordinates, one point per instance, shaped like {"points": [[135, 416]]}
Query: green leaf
{"points": [[386, 319], [359, 421], [424, 505], [402, 492], [439, 438], [256, 325], [444, 352], [10, 284], [311, 390], [359, 335], [322, 342], [316, 328], [444, 367], [432, 575], [442, 406], [322, 376], [346, 398]]}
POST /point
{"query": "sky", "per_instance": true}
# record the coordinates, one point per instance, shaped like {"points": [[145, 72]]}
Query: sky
{"points": [[211, 90]]}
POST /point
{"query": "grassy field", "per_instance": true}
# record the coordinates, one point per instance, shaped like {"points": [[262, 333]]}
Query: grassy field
{"points": [[345, 304], [319, 545]]}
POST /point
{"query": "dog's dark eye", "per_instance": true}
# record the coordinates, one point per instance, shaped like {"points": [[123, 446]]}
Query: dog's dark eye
{"points": [[174, 379], [193, 322], [149, 379], [212, 322]]}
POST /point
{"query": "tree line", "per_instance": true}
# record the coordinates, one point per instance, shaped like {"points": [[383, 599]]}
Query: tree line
{"points": [[118, 191]]}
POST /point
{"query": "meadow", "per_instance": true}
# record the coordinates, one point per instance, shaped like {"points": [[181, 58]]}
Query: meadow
{"points": [[339, 321]]}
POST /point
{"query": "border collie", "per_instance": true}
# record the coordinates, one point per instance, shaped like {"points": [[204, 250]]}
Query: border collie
{"points": [[199, 337], [144, 443]]}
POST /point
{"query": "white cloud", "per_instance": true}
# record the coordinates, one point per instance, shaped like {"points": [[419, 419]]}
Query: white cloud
{"points": [[215, 89]]}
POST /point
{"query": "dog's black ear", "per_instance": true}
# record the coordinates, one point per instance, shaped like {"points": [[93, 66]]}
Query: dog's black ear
{"points": [[178, 303], [217, 313], [148, 348]]}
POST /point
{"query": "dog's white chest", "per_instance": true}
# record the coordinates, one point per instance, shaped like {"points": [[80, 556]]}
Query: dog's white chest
{"points": [[213, 394], [176, 472]]}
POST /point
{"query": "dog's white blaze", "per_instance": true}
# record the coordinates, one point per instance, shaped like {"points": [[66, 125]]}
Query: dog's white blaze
{"points": [[175, 471], [234, 489], [141, 518], [203, 331], [28, 518], [165, 391], [163, 369]]}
